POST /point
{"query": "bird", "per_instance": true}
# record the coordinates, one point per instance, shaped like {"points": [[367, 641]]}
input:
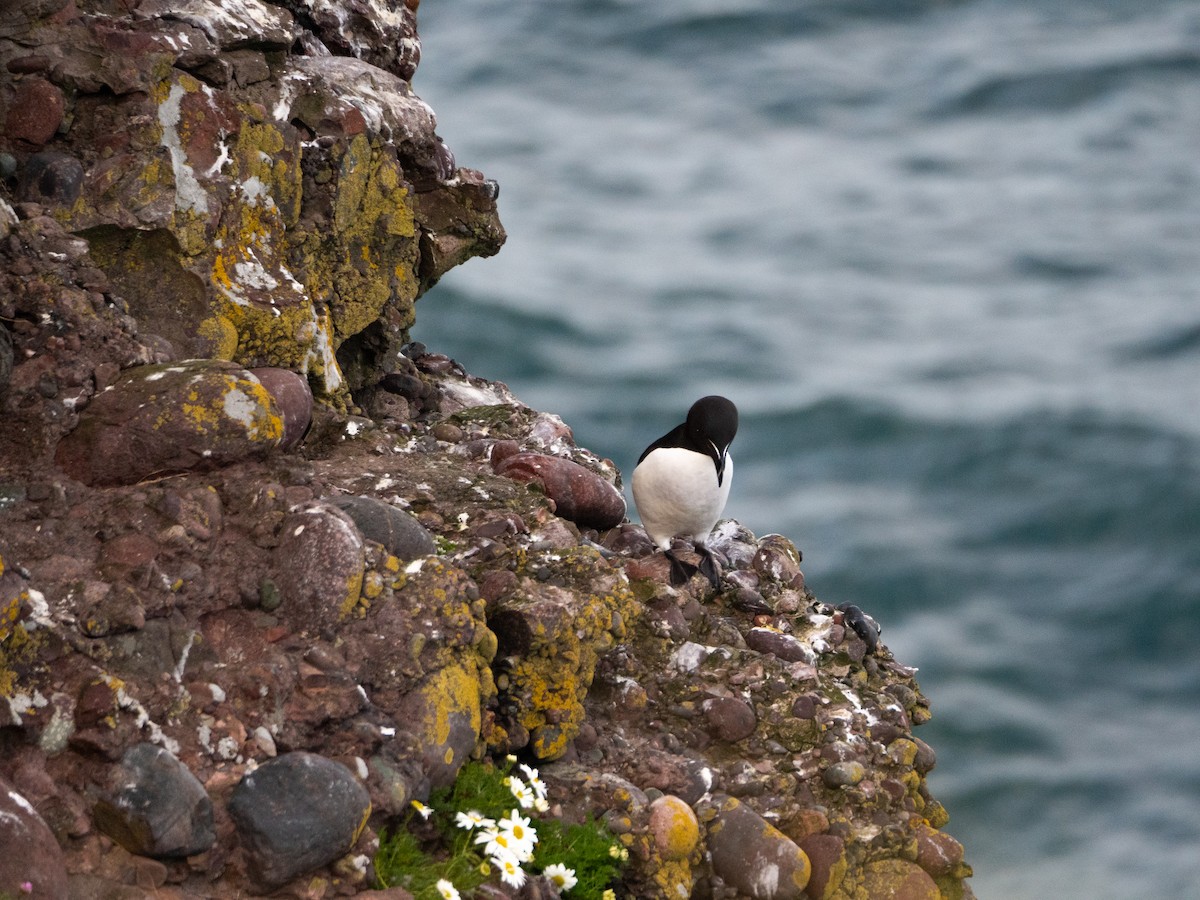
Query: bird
{"points": [[681, 483]]}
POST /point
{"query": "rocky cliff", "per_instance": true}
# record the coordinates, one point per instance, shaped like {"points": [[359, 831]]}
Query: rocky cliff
{"points": [[269, 573]]}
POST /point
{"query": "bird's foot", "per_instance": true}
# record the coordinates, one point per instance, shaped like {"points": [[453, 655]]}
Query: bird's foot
{"points": [[708, 566], [864, 626], [681, 572]]}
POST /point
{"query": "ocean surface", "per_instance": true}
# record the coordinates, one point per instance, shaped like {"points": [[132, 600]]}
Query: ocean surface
{"points": [[945, 257]]}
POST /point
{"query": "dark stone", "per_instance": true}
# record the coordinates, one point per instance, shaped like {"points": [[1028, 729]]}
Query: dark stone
{"points": [[31, 854], [295, 813], [50, 178], [399, 531], [155, 806]]}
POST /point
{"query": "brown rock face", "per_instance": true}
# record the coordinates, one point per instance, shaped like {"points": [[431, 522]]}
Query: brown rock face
{"points": [[157, 420]]}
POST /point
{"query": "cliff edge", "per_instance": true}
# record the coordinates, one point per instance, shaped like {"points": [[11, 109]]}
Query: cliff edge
{"points": [[271, 575]]}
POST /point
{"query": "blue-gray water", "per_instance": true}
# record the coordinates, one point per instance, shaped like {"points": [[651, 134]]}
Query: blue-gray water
{"points": [[945, 256]]}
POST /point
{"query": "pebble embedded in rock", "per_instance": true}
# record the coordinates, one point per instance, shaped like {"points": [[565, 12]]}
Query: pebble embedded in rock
{"points": [[785, 646], [32, 855], [844, 774], [578, 493], [52, 178], [35, 111], [319, 564], [937, 852], [752, 855], [155, 806], [397, 530], [729, 718], [295, 813], [898, 879], [674, 827], [294, 398], [827, 853]]}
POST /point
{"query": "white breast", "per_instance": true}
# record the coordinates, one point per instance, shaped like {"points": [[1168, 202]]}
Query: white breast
{"points": [[676, 493]]}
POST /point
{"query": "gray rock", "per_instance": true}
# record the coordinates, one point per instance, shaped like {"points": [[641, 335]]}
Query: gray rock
{"points": [[155, 806], [32, 855], [399, 532], [296, 813], [844, 774]]}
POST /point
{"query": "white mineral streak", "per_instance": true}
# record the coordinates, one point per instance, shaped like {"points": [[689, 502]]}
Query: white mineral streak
{"points": [[189, 195], [141, 717], [22, 802], [183, 657], [242, 408], [766, 880], [387, 15]]}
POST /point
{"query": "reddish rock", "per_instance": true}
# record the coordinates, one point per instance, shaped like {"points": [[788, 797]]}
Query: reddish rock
{"points": [[38, 870], [294, 398], [35, 112], [937, 852], [729, 718], [827, 853], [752, 855], [578, 493], [319, 560], [156, 420], [786, 647]]}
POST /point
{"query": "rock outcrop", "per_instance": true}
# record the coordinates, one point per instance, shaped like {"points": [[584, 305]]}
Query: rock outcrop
{"points": [[265, 579]]}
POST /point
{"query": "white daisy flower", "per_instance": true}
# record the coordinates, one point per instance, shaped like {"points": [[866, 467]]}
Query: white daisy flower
{"points": [[535, 783], [560, 876], [511, 871], [520, 833], [496, 843], [521, 791], [424, 810], [448, 890], [472, 819]]}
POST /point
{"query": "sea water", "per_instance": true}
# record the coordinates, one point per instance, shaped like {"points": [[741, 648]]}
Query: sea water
{"points": [[945, 257]]}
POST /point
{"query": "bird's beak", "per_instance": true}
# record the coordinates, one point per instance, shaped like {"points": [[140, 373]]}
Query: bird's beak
{"points": [[719, 454]]}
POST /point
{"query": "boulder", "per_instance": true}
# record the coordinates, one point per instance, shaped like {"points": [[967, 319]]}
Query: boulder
{"points": [[295, 813], [158, 420], [155, 806]]}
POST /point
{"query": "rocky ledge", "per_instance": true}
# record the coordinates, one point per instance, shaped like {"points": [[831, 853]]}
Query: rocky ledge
{"points": [[269, 573]]}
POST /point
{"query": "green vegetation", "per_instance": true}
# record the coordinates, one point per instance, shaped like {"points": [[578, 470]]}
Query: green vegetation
{"points": [[476, 831]]}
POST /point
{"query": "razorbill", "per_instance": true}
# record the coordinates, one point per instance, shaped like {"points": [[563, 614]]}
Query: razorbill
{"points": [[682, 481]]}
